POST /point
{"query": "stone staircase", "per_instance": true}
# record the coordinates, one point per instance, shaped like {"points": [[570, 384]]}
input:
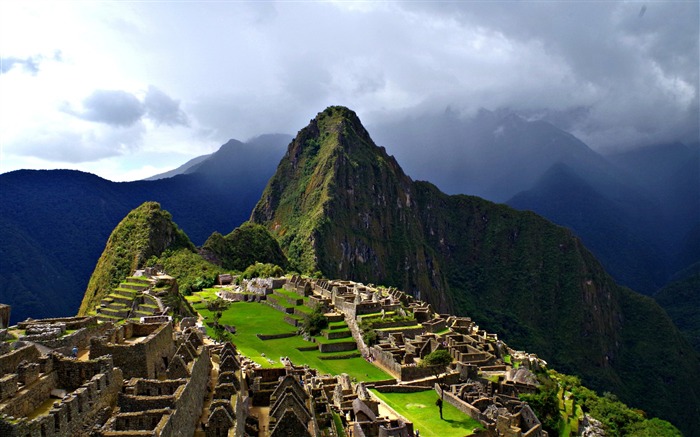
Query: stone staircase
{"points": [[128, 301]]}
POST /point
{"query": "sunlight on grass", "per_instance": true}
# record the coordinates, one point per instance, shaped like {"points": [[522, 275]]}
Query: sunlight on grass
{"points": [[420, 409], [251, 319]]}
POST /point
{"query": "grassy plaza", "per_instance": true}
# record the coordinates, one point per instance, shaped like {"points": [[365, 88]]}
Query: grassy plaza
{"points": [[420, 409], [251, 318]]}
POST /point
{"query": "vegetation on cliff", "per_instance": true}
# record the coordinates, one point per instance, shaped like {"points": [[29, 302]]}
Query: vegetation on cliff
{"points": [[192, 272], [561, 401], [341, 205], [243, 247], [145, 232], [681, 300]]}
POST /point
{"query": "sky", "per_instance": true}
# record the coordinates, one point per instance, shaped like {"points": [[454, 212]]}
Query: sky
{"points": [[126, 89]]}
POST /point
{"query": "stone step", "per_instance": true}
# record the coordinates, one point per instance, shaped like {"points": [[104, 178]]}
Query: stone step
{"points": [[107, 318], [135, 287], [115, 312], [335, 334], [125, 291], [119, 298], [139, 280]]}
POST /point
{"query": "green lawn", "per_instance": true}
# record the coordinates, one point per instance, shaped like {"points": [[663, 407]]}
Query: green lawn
{"points": [[420, 409], [251, 318], [291, 294]]}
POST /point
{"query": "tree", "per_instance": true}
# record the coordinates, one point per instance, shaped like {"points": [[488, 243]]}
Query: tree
{"points": [[316, 322], [437, 361]]}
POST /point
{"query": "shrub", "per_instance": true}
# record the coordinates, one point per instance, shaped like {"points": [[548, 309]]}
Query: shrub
{"points": [[260, 270], [316, 321]]}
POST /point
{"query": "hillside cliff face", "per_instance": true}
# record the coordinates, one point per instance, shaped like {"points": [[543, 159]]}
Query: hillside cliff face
{"points": [[145, 232], [341, 205]]}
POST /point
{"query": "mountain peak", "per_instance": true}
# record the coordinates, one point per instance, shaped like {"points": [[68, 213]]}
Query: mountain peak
{"points": [[332, 172], [146, 231]]}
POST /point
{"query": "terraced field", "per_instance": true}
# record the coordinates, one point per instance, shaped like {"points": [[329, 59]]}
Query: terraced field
{"points": [[251, 319]]}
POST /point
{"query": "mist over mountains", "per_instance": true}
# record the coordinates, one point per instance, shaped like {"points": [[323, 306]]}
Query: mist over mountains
{"points": [[635, 210]]}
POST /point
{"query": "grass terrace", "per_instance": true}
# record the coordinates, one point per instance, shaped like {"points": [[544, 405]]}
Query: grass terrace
{"points": [[290, 294], [399, 328], [420, 409], [251, 319]]}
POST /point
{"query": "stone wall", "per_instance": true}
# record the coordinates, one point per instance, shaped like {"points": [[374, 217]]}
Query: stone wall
{"points": [[25, 401], [191, 400], [386, 359], [80, 338], [9, 362], [337, 347], [145, 359], [69, 322], [4, 315], [275, 336], [402, 388], [279, 307], [183, 399], [357, 335], [76, 414], [462, 406], [410, 373], [73, 373], [407, 333], [9, 385]]}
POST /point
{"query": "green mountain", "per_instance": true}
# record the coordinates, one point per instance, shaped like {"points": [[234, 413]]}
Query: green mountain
{"points": [[244, 246], [609, 229], [145, 232], [340, 205], [681, 300], [54, 223]]}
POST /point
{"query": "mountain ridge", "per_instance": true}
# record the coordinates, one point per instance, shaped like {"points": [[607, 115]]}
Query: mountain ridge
{"points": [[53, 223], [341, 205]]}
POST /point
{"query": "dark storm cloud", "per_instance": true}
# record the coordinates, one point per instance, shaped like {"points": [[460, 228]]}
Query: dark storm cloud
{"points": [[162, 109], [634, 70]]}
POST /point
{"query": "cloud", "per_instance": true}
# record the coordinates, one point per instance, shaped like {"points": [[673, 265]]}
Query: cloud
{"points": [[71, 145], [162, 109], [31, 64], [613, 73], [121, 108], [634, 72], [112, 107]]}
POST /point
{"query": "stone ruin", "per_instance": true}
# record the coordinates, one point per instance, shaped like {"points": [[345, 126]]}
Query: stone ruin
{"points": [[157, 379], [129, 380]]}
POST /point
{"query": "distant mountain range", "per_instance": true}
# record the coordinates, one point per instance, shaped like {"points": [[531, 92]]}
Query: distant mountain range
{"points": [[53, 224], [638, 211], [635, 210]]}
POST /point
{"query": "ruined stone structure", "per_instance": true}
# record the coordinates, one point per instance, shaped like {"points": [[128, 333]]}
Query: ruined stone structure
{"points": [[170, 406], [141, 350], [52, 395], [85, 376], [4, 316], [135, 380]]}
